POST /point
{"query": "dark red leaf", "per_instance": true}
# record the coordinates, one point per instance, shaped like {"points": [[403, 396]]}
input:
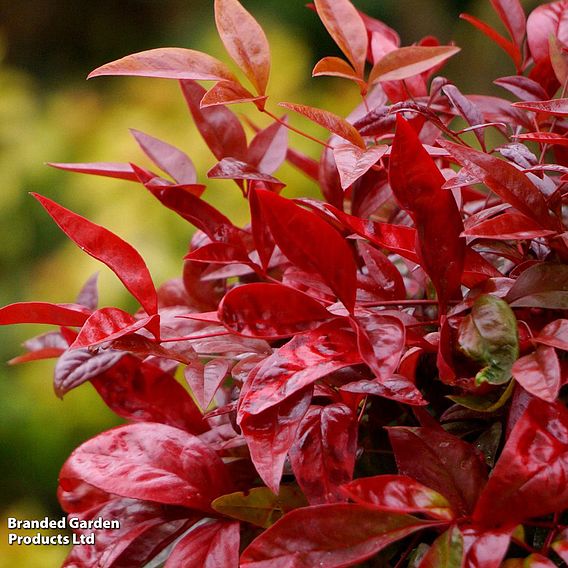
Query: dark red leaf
{"points": [[383, 272], [230, 168], [106, 169], [245, 41], [153, 462], [529, 478], [397, 388], [308, 537], [44, 312], [105, 246], [417, 185], [270, 311], [467, 109], [219, 127], [510, 226], [542, 285], [539, 373], [312, 244], [213, 545], [323, 455], [522, 87], [441, 461], [205, 379], [168, 63], [346, 27], [399, 494]]}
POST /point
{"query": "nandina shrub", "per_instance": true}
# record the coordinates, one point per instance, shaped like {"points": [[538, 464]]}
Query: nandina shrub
{"points": [[375, 378]]}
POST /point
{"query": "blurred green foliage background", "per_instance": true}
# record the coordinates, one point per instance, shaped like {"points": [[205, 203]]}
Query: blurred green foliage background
{"points": [[49, 113]]}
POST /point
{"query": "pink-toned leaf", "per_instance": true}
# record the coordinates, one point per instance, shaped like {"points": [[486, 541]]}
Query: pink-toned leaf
{"points": [[213, 545], [229, 93], [513, 17], [511, 185], [100, 243], [544, 138], [305, 164], [312, 244], [554, 107], [308, 537], [167, 157], [509, 226], [352, 162], [346, 27], [397, 388], [271, 433], [522, 87], [230, 168], [298, 364], [554, 334], [330, 121], [417, 185], [168, 63], [441, 461], [152, 462], [399, 494], [106, 169], [89, 294], [529, 478], [219, 127], [406, 62], [44, 312], [323, 455], [245, 41], [550, 19], [539, 373], [467, 109], [205, 379], [336, 67], [268, 149], [484, 548], [270, 311]]}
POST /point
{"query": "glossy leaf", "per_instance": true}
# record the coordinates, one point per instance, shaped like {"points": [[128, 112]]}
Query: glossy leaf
{"points": [[522, 87], [489, 336], [441, 461], [544, 138], [105, 246], [105, 169], [268, 149], [406, 62], [153, 462], [212, 545], [397, 388], [229, 93], [509, 226], [336, 67], [205, 379], [383, 272], [260, 506], [484, 548], [554, 107], [446, 551], [543, 285], [554, 334], [467, 109], [168, 63], [529, 478], [230, 168], [513, 17], [330, 121], [44, 312], [352, 162], [323, 455], [539, 373], [532, 561], [347, 29], [308, 537], [245, 41], [399, 494], [544, 21]]}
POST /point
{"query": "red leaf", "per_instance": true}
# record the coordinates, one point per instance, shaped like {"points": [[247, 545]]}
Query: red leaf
{"points": [[167, 157], [219, 127], [245, 41], [330, 121], [168, 63], [105, 246], [308, 537], [467, 109], [270, 434], [312, 244], [511, 185], [417, 185], [381, 340], [554, 107], [336, 67], [547, 20], [406, 62], [441, 461], [513, 16], [539, 373], [352, 162], [484, 548], [397, 388], [522, 87], [44, 312], [510, 226], [383, 272], [205, 379], [75, 367], [399, 494], [346, 27], [106, 169], [268, 149], [213, 545], [270, 311], [153, 462], [230, 168], [542, 285], [554, 334], [299, 363], [219, 253], [141, 392], [544, 138], [323, 455], [229, 93]]}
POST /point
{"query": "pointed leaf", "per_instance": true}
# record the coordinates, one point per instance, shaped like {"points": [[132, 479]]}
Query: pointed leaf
{"points": [[539, 373], [268, 149], [151, 462], [336, 67], [554, 107], [230, 93], [509, 226], [346, 27], [205, 379], [406, 62], [100, 243], [467, 109], [106, 169], [399, 494], [230, 168], [544, 138], [168, 63], [522, 87], [513, 16], [397, 388], [554, 334], [307, 537], [330, 121], [245, 41], [543, 285], [44, 312], [383, 272], [352, 162]]}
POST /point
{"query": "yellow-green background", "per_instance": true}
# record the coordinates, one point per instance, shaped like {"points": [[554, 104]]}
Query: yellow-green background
{"points": [[49, 113]]}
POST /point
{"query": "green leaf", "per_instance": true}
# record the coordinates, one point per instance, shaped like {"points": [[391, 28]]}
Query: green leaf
{"points": [[486, 403], [489, 336], [446, 551], [260, 506]]}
